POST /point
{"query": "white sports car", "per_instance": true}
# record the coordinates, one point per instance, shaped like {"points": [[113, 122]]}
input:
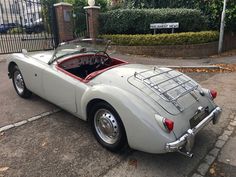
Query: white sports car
{"points": [[152, 109]]}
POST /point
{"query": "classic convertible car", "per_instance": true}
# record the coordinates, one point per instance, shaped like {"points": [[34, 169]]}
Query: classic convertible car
{"points": [[152, 109]]}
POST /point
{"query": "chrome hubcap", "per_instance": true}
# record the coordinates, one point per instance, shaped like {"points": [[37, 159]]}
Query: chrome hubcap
{"points": [[106, 126], [19, 83]]}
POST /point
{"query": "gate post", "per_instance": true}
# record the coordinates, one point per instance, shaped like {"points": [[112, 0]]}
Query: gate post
{"points": [[92, 13], [64, 21]]}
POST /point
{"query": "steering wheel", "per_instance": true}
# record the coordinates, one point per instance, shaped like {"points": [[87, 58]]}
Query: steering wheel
{"points": [[107, 61]]}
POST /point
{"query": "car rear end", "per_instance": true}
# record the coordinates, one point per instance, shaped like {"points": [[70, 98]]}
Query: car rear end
{"points": [[183, 107]]}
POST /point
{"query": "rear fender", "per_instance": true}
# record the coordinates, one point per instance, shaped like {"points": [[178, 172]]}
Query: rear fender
{"points": [[142, 130]]}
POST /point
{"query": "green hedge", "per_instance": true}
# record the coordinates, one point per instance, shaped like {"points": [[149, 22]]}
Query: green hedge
{"points": [[18, 30], [137, 21], [164, 39], [210, 8]]}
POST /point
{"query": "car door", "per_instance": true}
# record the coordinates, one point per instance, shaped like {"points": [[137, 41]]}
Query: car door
{"points": [[32, 71], [59, 88]]}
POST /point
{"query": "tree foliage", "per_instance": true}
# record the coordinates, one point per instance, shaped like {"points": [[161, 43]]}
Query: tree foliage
{"points": [[210, 8], [137, 21]]}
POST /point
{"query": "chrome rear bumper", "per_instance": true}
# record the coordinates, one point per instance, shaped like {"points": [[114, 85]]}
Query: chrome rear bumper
{"points": [[186, 141]]}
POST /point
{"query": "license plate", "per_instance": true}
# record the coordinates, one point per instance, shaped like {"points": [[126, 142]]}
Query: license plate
{"points": [[200, 114]]}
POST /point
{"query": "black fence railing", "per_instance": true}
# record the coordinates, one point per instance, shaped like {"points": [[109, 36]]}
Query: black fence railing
{"points": [[27, 24], [80, 24]]}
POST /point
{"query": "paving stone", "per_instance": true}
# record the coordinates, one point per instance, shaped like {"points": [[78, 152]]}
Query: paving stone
{"points": [[196, 175], [6, 127], [231, 128], [231, 116], [233, 123], [228, 132], [219, 143], [203, 168], [214, 152], [224, 137], [227, 154], [209, 159]]}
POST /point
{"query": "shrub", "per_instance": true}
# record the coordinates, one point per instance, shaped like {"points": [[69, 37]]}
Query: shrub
{"points": [[15, 30], [210, 8], [137, 21], [164, 39]]}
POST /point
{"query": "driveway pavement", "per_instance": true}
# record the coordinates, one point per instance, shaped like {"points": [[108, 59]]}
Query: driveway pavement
{"points": [[63, 145], [14, 109]]}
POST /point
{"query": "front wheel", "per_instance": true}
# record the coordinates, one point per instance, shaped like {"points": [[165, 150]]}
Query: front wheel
{"points": [[19, 83], [107, 127]]}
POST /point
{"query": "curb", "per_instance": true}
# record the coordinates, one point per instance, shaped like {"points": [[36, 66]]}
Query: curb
{"points": [[31, 119], [195, 67], [211, 156]]}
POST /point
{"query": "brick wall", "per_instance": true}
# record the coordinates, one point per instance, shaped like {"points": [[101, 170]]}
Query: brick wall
{"points": [[196, 50], [93, 24], [229, 41], [65, 28]]}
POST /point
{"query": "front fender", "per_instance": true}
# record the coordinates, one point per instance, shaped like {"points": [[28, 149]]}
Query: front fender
{"points": [[142, 130]]}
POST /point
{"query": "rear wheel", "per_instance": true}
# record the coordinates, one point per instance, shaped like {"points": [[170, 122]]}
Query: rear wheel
{"points": [[107, 127], [19, 83]]}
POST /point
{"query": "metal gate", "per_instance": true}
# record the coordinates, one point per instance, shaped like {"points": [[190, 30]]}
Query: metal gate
{"points": [[80, 23], [27, 24]]}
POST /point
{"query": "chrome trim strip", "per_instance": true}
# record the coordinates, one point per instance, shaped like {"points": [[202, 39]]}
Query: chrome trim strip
{"points": [[179, 143]]}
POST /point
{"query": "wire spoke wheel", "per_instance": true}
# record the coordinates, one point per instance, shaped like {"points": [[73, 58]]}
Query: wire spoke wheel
{"points": [[19, 83]]}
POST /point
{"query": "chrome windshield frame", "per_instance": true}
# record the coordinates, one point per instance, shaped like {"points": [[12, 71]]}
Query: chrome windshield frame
{"points": [[77, 46]]}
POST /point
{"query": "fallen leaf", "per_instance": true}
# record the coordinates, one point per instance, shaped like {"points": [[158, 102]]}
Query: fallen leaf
{"points": [[133, 162], [44, 144], [2, 169], [212, 171]]}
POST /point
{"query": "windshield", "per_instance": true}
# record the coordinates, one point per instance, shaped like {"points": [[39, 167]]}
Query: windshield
{"points": [[80, 46]]}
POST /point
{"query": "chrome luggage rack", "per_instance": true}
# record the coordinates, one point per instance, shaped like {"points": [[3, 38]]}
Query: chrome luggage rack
{"points": [[187, 85]]}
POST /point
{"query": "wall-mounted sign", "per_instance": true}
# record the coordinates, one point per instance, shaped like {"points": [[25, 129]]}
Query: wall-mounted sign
{"points": [[67, 15], [156, 26], [164, 25]]}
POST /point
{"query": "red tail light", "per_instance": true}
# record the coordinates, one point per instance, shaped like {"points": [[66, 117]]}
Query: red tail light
{"points": [[213, 94], [169, 124]]}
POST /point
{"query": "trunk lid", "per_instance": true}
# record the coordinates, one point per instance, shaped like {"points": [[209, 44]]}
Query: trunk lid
{"points": [[176, 93], [173, 90]]}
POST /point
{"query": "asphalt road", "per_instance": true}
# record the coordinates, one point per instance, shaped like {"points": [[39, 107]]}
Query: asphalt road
{"points": [[63, 145], [14, 109]]}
